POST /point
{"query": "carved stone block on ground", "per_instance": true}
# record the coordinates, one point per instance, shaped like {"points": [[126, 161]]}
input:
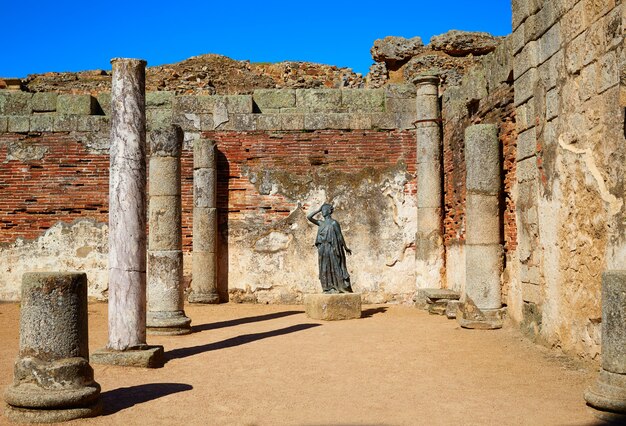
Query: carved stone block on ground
{"points": [[333, 307]]}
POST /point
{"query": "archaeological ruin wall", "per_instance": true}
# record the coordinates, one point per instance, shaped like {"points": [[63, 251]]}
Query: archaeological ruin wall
{"points": [[279, 152]]}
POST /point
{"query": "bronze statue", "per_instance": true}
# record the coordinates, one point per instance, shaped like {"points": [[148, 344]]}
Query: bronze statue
{"points": [[332, 249]]}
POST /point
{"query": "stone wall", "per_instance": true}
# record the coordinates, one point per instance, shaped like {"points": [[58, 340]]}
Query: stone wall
{"points": [[280, 152], [570, 166]]}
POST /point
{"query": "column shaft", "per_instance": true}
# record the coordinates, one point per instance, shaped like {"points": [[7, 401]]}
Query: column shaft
{"points": [[204, 261], [482, 216], [165, 257], [429, 238]]}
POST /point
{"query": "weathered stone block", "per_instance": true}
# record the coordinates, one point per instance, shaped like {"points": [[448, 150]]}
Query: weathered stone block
{"points": [[451, 308], [426, 296], [333, 307], [239, 104], [482, 219], [428, 220], [164, 290], [44, 102], [268, 121], [65, 123], [469, 315], [92, 123], [552, 104], [15, 103], [525, 86], [383, 120], [364, 100], [360, 121], [274, 98], [291, 121], [164, 174], [429, 184], [104, 102], [526, 144], [159, 99], [484, 267], [550, 43], [204, 187], [401, 105], [144, 357], [75, 104], [41, 123], [482, 159], [607, 72], [551, 70], [240, 122], [518, 39], [405, 120], [528, 58], [191, 104], [525, 116], [404, 90], [327, 121], [204, 278], [205, 228], [527, 170], [319, 100], [4, 123], [18, 124], [614, 322], [164, 218], [204, 153]]}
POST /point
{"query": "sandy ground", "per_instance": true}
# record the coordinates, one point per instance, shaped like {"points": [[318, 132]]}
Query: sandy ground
{"points": [[271, 365]]}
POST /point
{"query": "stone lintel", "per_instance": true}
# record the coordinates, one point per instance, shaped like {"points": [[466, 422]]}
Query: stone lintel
{"points": [[333, 307], [145, 356]]}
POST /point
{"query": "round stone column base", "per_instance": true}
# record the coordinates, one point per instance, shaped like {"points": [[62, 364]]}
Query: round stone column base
{"points": [[608, 396], [26, 415], [333, 307], [204, 298], [168, 323]]}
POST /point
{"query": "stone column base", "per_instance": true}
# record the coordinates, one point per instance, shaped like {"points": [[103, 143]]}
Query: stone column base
{"points": [[332, 307], [168, 323], [25, 415], [468, 315], [143, 356], [204, 298], [608, 397]]}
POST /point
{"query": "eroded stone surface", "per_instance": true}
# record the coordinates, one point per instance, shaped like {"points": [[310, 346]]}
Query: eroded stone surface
{"points": [[333, 307]]}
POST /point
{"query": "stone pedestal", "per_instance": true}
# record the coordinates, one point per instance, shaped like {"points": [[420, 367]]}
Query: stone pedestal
{"points": [[483, 249], [333, 307], [608, 395], [127, 210], [204, 261], [53, 380], [166, 315], [429, 238]]}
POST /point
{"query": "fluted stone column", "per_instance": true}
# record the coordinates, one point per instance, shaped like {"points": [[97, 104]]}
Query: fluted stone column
{"points": [[53, 380], [608, 395], [127, 221], [429, 238], [483, 248], [204, 259], [166, 313]]}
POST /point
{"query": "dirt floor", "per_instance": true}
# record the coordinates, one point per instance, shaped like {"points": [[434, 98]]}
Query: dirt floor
{"points": [[271, 365]]}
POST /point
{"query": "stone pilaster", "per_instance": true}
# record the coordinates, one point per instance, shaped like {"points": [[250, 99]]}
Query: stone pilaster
{"points": [[608, 395], [483, 248], [53, 380], [204, 260], [127, 217], [166, 313], [429, 238]]}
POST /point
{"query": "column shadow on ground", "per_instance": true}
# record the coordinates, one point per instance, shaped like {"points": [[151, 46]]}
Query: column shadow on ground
{"points": [[238, 321], [234, 341], [120, 399], [367, 313]]}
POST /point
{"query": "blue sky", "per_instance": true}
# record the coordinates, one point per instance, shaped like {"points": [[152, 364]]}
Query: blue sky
{"points": [[60, 35]]}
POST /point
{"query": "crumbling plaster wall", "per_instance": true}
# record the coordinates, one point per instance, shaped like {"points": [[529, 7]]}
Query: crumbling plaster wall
{"points": [[280, 153], [570, 165]]}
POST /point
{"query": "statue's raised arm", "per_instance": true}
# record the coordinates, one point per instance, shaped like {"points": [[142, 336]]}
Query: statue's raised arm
{"points": [[313, 213]]}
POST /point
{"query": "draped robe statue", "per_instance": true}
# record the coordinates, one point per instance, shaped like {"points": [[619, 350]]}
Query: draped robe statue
{"points": [[331, 249]]}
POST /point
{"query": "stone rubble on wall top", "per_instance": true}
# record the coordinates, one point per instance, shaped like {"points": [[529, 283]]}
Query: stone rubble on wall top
{"points": [[393, 49], [463, 43]]}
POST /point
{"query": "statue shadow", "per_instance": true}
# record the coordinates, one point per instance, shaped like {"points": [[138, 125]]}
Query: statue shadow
{"points": [[368, 313], [239, 321], [122, 398], [234, 341]]}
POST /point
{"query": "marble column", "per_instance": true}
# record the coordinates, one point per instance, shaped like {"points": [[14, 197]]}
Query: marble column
{"points": [[166, 313], [53, 380], [429, 238], [127, 221], [608, 395], [204, 259], [483, 248]]}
